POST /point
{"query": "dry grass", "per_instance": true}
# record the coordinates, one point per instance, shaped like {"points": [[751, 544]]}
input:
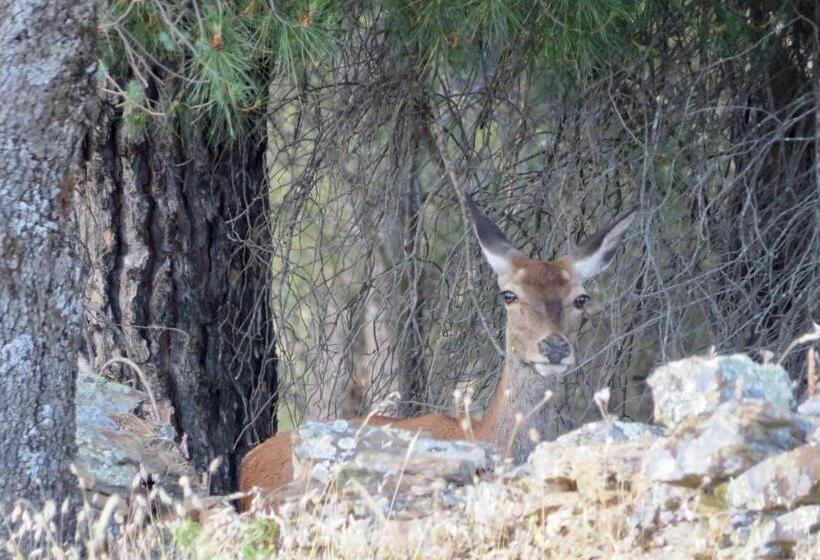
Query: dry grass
{"points": [[499, 517]]}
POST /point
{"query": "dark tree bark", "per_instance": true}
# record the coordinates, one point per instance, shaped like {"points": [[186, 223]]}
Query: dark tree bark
{"points": [[178, 246], [46, 86]]}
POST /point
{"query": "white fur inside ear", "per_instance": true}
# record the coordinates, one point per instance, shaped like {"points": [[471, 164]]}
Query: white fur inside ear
{"points": [[597, 261], [588, 267], [500, 264]]}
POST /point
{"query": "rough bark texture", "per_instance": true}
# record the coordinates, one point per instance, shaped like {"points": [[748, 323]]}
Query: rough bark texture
{"points": [[179, 281], [46, 71]]}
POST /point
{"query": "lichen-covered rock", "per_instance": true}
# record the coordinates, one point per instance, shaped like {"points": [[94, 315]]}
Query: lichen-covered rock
{"points": [[810, 410], [810, 407], [98, 402], [587, 468], [662, 505], [698, 385], [676, 522], [711, 448], [115, 437], [367, 452], [780, 482], [779, 537], [99, 398], [612, 431], [599, 455], [397, 473]]}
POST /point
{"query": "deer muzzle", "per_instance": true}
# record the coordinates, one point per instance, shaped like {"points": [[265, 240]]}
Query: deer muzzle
{"points": [[555, 348]]}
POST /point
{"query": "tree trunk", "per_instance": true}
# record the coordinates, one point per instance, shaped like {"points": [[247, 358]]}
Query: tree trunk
{"points": [[179, 282], [46, 71]]}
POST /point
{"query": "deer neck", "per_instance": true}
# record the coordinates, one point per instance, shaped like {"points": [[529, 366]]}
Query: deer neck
{"points": [[517, 408]]}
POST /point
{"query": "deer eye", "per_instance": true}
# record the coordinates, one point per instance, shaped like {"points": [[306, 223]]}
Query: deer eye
{"points": [[581, 301], [508, 296]]}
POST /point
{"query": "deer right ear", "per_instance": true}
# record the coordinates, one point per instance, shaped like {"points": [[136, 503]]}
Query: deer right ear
{"points": [[497, 249], [595, 254]]}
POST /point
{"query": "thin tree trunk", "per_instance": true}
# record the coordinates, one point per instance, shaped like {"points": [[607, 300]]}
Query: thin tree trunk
{"points": [[179, 281], [46, 71]]}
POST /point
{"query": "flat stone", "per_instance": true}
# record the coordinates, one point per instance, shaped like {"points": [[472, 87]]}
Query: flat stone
{"points": [[360, 470], [711, 448], [697, 385], [369, 453], [781, 482], [613, 431]]}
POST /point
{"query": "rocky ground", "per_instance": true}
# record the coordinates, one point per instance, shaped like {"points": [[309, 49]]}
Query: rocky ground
{"points": [[731, 469]]}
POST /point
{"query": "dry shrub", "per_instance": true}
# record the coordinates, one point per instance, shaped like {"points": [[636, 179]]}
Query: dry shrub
{"points": [[380, 287]]}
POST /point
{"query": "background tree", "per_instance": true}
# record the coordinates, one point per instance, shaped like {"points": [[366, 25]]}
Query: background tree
{"points": [[173, 220], [46, 75]]}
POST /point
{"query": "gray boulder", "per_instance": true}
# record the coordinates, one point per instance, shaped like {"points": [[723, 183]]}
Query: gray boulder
{"points": [[708, 449], [697, 385], [383, 456], [400, 473], [118, 433]]}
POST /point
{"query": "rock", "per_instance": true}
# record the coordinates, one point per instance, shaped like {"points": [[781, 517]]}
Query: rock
{"points": [[115, 437], [661, 505], [596, 456], [366, 470], [614, 431], [698, 385], [686, 540], [100, 398], [376, 454], [711, 448], [780, 482], [588, 468], [778, 538], [810, 407]]}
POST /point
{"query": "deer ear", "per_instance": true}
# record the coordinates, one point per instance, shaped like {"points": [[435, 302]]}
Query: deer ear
{"points": [[498, 251], [595, 254]]}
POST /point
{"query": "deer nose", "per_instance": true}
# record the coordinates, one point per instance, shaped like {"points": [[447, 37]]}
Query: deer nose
{"points": [[555, 348]]}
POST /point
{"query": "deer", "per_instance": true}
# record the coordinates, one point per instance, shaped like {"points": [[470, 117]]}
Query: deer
{"points": [[544, 302]]}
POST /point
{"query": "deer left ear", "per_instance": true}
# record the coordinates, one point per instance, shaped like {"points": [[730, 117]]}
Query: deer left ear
{"points": [[595, 254], [498, 251]]}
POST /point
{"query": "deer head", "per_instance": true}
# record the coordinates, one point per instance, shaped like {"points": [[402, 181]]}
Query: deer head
{"points": [[544, 300]]}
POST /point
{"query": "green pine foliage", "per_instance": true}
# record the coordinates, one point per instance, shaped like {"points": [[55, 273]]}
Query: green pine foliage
{"points": [[212, 61], [221, 88], [134, 110]]}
